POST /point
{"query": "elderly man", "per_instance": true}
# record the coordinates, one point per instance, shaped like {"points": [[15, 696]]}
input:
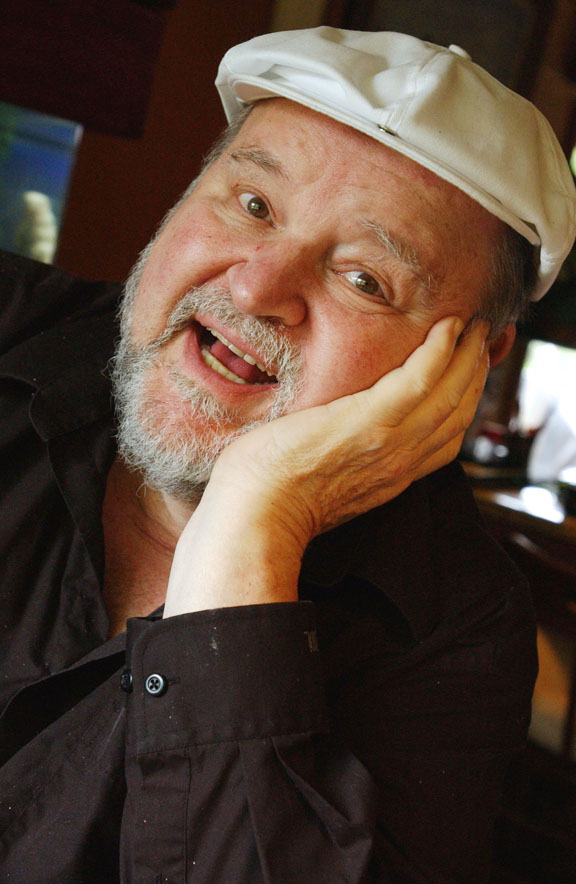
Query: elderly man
{"points": [[234, 650]]}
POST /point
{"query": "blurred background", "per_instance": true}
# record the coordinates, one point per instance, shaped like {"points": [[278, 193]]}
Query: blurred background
{"points": [[106, 110]]}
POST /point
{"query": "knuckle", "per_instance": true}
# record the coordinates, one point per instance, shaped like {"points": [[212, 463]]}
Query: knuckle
{"points": [[422, 385], [453, 400], [401, 463]]}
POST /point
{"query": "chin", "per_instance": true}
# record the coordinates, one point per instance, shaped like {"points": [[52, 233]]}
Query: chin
{"points": [[170, 431]]}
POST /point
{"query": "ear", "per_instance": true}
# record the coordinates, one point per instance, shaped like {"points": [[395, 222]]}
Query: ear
{"points": [[501, 346]]}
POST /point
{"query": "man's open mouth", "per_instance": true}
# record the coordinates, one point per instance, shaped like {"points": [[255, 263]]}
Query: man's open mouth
{"points": [[229, 361]]}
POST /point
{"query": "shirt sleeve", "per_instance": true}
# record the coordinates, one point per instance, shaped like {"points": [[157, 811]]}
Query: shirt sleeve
{"points": [[248, 761]]}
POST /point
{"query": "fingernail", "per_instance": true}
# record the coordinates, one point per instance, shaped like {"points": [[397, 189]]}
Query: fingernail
{"points": [[457, 327]]}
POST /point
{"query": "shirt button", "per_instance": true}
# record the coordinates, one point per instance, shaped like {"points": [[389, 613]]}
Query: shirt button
{"points": [[156, 684], [126, 681]]}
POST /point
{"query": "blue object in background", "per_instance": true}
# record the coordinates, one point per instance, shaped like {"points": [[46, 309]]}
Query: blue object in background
{"points": [[36, 158]]}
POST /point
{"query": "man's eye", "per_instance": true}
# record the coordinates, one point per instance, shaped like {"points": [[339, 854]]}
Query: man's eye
{"points": [[255, 205], [364, 282]]}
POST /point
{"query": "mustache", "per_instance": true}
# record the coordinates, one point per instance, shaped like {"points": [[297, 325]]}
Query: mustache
{"points": [[264, 335]]}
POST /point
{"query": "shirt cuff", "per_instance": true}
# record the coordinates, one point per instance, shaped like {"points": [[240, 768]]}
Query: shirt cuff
{"points": [[227, 674]]}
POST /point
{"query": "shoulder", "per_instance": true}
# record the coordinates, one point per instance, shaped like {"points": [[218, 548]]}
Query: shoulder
{"points": [[35, 297]]}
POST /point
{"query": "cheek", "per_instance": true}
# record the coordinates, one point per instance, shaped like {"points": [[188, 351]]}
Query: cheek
{"points": [[185, 255], [356, 358]]}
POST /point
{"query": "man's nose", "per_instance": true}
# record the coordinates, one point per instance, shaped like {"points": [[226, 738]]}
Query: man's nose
{"points": [[271, 282]]}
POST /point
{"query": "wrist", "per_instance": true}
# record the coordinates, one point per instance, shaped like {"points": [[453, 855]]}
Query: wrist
{"points": [[233, 552]]}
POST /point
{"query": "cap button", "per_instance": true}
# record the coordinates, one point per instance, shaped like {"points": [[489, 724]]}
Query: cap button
{"points": [[457, 50]]}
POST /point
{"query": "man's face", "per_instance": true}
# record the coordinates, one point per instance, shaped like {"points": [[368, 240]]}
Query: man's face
{"points": [[310, 244]]}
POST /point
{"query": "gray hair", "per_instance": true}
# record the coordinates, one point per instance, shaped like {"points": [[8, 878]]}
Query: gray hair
{"points": [[218, 148], [513, 278]]}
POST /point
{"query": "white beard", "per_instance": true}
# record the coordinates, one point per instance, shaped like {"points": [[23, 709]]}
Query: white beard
{"points": [[175, 449]]}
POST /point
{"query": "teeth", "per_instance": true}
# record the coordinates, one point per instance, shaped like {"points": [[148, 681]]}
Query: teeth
{"points": [[213, 363], [245, 356]]}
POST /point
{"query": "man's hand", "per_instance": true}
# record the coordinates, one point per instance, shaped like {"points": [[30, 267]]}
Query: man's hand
{"points": [[278, 486]]}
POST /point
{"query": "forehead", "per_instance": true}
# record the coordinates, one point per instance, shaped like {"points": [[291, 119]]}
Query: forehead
{"points": [[300, 132], [339, 167]]}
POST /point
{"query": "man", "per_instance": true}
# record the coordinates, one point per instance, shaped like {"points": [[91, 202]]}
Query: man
{"points": [[340, 672]]}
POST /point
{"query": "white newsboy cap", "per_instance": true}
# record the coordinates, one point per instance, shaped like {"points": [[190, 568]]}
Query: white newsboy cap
{"points": [[432, 104]]}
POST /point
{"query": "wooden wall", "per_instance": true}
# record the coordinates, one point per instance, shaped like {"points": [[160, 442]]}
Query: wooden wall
{"points": [[122, 187]]}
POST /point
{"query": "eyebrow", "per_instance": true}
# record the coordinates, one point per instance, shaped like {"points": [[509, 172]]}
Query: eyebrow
{"points": [[406, 254], [259, 157]]}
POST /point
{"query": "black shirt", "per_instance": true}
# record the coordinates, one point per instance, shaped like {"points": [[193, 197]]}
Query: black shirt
{"points": [[358, 735]]}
